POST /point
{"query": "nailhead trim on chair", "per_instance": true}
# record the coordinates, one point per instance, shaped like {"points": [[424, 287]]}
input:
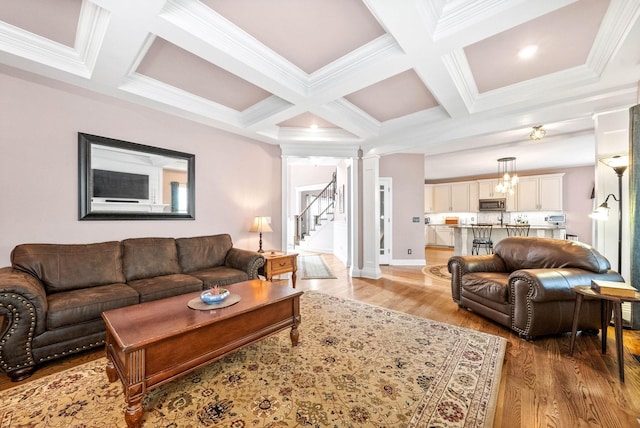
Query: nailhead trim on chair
{"points": [[527, 328], [11, 330]]}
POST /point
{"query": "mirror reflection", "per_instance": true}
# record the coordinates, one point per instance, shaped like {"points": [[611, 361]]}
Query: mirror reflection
{"points": [[125, 180]]}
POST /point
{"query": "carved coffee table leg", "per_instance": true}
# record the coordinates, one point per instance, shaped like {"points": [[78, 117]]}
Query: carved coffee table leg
{"points": [[111, 371], [295, 334], [133, 414]]}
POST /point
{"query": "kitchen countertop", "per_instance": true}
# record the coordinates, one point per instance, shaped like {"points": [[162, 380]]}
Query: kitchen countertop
{"points": [[497, 226], [531, 226]]}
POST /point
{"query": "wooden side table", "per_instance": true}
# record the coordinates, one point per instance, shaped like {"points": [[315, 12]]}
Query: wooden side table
{"points": [[607, 303], [277, 262]]}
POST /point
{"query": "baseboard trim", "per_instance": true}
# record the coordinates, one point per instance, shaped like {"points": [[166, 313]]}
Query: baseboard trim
{"points": [[408, 262]]}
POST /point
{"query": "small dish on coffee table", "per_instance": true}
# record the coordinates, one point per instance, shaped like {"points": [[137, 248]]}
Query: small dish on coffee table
{"points": [[209, 297]]}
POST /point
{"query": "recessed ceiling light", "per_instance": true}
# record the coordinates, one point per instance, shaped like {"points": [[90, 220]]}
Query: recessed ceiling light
{"points": [[314, 126], [528, 51]]}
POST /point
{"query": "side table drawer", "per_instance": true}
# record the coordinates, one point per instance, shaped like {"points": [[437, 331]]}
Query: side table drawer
{"points": [[279, 266]]}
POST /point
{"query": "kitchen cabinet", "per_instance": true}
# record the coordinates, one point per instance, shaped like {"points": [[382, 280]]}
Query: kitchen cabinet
{"points": [[430, 235], [459, 197], [451, 197], [487, 190], [540, 193], [428, 198], [441, 198], [473, 197], [444, 236]]}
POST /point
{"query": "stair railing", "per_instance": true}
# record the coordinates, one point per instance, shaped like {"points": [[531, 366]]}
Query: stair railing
{"points": [[320, 205]]}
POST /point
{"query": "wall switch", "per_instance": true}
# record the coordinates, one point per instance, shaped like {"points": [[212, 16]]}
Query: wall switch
{"points": [[409, 251], [416, 219]]}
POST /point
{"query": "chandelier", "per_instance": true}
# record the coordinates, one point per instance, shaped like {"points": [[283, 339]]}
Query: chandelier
{"points": [[537, 133], [507, 175]]}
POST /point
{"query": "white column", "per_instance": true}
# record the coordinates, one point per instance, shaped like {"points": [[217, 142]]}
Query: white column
{"points": [[354, 215], [370, 215], [287, 232]]}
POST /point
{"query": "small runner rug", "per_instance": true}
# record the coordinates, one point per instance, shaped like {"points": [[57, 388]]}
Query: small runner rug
{"points": [[356, 365], [313, 267]]}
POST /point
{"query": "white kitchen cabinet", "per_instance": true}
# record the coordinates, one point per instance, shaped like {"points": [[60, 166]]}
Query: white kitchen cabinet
{"points": [[428, 198], [459, 197], [441, 198], [486, 189], [430, 235], [444, 236], [473, 197], [540, 193], [451, 197]]}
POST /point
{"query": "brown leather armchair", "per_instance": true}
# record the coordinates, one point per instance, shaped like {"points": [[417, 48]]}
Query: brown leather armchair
{"points": [[526, 284]]}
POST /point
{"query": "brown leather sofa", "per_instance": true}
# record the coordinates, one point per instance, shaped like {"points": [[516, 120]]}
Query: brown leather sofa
{"points": [[52, 296], [526, 284]]}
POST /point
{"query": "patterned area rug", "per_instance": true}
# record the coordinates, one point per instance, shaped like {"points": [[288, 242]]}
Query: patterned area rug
{"points": [[313, 267], [437, 271], [356, 365]]}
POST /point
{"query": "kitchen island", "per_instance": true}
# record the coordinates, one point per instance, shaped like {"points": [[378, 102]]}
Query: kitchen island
{"points": [[463, 236]]}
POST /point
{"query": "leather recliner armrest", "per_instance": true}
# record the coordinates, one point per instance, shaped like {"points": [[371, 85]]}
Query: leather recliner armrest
{"points": [[460, 265], [532, 289], [541, 285]]}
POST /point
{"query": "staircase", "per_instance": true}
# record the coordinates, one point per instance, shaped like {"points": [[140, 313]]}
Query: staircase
{"points": [[316, 214]]}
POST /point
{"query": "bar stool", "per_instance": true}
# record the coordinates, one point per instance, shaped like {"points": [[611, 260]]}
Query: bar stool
{"points": [[517, 229], [482, 238]]}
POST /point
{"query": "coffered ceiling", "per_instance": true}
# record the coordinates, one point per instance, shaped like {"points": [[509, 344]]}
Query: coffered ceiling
{"points": [[438, 77]]}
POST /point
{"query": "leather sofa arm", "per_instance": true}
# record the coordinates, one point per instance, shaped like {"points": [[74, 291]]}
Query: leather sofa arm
{"points": [[23, 304], [542, 299], [460, 265], [245, 260], [543, 285]]}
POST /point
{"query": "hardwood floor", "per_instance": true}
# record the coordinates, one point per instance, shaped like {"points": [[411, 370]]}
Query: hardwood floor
{"points": [[540, 385]]}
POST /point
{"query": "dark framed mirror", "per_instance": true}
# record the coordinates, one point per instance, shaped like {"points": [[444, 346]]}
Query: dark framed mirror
{"points": [[120, 180]]}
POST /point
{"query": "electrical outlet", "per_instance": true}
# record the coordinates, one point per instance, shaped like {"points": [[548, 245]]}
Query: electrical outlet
{"points": [[409, 251]]}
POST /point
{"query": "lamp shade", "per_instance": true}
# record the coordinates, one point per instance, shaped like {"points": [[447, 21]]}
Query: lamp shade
{"points": [[260, 224]]}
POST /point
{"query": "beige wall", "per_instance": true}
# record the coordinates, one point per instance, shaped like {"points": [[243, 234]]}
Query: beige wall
{"points": [[407, 174], [236, 178]]}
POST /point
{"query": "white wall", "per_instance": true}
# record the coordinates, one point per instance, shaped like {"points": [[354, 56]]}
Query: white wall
{"points": [[236, 178]]}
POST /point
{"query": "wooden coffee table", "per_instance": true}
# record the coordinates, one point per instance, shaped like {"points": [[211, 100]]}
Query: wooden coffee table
{"points": [[156, 342]]}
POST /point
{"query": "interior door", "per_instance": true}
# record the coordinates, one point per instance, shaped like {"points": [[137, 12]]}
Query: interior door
{"points": [[385, 221]]}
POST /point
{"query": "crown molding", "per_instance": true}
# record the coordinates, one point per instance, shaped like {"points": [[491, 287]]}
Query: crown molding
{"points": [[92, 27], [334, 135], [37, 49], [159, 92], [618, 21]]}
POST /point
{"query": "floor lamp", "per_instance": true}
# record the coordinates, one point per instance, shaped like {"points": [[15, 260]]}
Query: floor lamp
{"points": [[619, 164]]}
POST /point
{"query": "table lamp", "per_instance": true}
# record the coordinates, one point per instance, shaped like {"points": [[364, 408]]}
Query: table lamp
{"points": [[260, 224]]}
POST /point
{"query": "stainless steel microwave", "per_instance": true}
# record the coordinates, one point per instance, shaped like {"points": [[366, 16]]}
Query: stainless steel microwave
{"points": [[497, 204]]}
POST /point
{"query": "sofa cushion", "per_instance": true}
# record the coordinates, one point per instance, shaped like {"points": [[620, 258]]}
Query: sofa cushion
{"points": [[86, 304], [160, 287], [203, 252], [519, 252], [149, 257], [220, 275], [63, 267], [493, 286]]}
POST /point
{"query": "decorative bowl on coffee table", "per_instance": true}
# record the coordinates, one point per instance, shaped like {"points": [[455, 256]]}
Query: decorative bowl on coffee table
{"points": [[210, 296]]}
